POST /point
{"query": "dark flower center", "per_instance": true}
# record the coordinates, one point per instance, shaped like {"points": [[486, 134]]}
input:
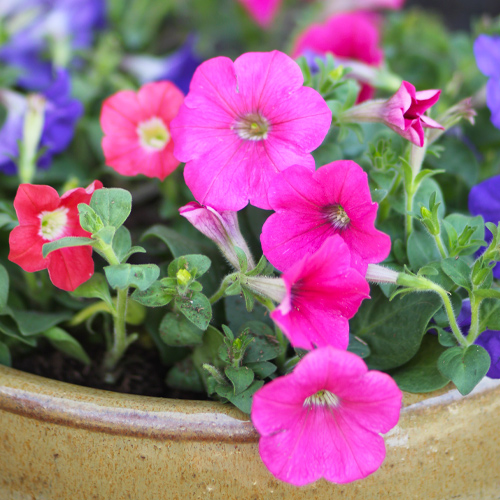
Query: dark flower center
{"points": [[252, 127]]}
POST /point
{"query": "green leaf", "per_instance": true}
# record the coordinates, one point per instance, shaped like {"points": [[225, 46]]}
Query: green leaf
{"points": [[196, 308], [421, 249], [487, 294], [33, 323], [240, 377], [358, 346], [68, 241], [262, 369], [424, 192], [9, 328], [64, 342], [4, 287], [421, 373], [265, 345], [237, 314], [458, 271], [393, 330], [122, 242], [446, 338], [154, 296], [184, 377], [490, 315], [106, 235], [465, 367], [177, 243], [124, 275], [243, 401], [5, 358], [94, 288], [176, 330], [113, 205], [242, 259], [196, 265], [89, 220], [459, 222]]}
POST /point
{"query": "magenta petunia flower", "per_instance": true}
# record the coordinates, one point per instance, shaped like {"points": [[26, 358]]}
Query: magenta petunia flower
{"points": [[349, 37], [221, 227], [263, 11], [137, 137], [404, 112], [322, 292], [244, 122], [311, 207], [324, 420], [44, 217]]}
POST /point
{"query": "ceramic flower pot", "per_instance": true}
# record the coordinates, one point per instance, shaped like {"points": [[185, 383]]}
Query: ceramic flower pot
{"points": [[59, 441]]}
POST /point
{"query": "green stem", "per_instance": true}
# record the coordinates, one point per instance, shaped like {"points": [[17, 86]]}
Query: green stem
{"points": [[440, 245], [226, 282], [120, 339], [417, 155], [421, 283], [475, 304]]}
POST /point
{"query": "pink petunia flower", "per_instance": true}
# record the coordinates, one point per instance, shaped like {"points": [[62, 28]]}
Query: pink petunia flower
{"points": [[221, 227], [263, 11], [404, 112], [324, 420], [349, 37], [311, 207], [244, 122], [322, 292], [44, 217], [136, 127]]}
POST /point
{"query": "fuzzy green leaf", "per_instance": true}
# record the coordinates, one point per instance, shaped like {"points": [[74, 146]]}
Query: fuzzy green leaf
{"points": [[113, 205], [465, 367], [196, 308], [124, 275], [240, 377], [64, 342], [69, 241], [177, 330]]}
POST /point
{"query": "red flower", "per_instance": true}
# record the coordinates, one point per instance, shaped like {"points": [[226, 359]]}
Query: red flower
{"points": [[43, 217], [137, 130]]}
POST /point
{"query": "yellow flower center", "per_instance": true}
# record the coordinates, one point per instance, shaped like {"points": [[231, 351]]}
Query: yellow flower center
{"points": [[338, 217], [153, 134], [53, 224], [322, 398]]}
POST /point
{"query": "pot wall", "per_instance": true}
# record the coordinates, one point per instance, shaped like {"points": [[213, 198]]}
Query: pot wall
{"points": [[59, 441]]}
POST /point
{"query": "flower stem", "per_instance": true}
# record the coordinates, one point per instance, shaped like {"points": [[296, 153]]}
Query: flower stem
{"points": [[420, 283], [226, 282], [440, 245], [121, 340], [475, 304], [417, 155]]}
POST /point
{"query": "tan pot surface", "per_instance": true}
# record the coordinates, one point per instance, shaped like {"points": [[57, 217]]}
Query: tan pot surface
{"points": [[59, 441]]}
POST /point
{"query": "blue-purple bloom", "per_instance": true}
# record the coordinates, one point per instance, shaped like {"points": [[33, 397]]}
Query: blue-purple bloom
{"points": [[487, 53], [489, 339], [34, 24], [61, 114], [177, 67], [484, 200]]}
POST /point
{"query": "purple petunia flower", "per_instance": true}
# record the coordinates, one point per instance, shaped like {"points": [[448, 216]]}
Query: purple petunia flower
{"points": [[177, 67], [41, 22], [489, 339], [61, 114], [487, 53], [484, 200]]}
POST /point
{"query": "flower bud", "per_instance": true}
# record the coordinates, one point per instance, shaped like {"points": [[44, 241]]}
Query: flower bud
{"points": [[222, 228], [403, 112], [380, 274]]}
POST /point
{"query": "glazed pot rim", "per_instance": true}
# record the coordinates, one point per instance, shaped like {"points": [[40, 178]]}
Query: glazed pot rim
{"points": [[97, 410]]}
